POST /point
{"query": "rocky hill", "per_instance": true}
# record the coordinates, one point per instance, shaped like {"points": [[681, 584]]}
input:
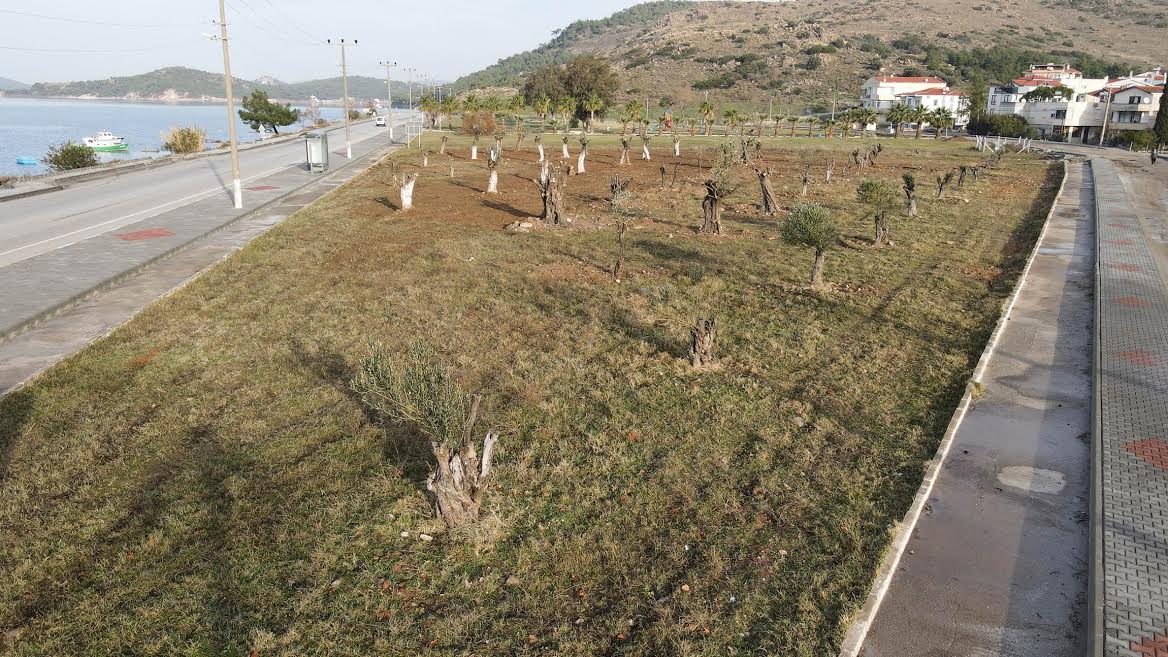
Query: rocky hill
{"points": [[803, 53], [178, 83]]}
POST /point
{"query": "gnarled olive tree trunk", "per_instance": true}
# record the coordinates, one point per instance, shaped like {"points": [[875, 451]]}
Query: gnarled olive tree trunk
{"points": [[551, 191], [407, 191], [701, 342], [770, 204]]}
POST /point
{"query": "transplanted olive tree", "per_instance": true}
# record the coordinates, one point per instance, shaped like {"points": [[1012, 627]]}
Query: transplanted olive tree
{"points": [[493, 158], [583, 154], [910, 192], [811, 225], [881, 200], [717, 187], [415, 391]]}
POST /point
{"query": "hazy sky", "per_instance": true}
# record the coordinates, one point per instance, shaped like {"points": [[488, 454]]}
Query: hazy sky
{"points": [[444, 38]]}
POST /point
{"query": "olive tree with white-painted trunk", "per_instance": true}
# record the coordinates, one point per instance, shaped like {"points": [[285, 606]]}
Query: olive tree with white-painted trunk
{"points": [[583, 154], [493, 158], [407, 191]]}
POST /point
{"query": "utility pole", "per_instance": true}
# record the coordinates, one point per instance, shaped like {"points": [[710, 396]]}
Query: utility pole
{"points": [[1106, 116], [389, 94], [236, 186], [345, 87]]}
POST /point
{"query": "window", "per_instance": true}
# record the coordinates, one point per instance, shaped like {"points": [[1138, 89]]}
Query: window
{"points": [[1134, 100], [1059, 114]]}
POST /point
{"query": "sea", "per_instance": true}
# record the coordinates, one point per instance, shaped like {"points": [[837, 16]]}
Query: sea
{"points": [[28, 127]]}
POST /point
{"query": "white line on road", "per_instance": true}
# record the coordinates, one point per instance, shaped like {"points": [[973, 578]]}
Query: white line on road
{"points": [[176, 203]]}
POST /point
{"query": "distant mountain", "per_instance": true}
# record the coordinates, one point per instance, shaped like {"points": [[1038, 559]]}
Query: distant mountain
{"points": [[7, 84], [177, 83]]}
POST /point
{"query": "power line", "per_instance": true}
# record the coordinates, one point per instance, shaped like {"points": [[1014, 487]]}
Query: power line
{"points": [[291, 22], [258, 21], [84, 52], [90, 22]]}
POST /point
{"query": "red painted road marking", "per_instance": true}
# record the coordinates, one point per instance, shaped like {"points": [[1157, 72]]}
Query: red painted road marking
{"points": [[153, 233], [1133, 302], [1152, 451], [1153, 646], [1120, 242], [1120, 225], [1140, 357], [1123, 266], [261, 188]]}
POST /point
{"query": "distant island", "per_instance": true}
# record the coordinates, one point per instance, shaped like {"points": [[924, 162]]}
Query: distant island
{"points": [[181, 84], [7, 84]]}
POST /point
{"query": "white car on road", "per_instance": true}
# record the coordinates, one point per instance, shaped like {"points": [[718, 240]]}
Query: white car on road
{"points": [[380, 123]]}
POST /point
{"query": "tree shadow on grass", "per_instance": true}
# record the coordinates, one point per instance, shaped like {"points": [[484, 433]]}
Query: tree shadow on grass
{"points": [[15, 410], [672, 253], [659, 337], [507, 208], [605, 269], [402, 446], [384, 200]]}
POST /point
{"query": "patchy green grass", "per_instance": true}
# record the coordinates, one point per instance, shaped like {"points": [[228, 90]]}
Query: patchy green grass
{"points": [[203, 482]]}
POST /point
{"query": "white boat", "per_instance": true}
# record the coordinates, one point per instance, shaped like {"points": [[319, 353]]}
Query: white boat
{"points": [[107, 142]]}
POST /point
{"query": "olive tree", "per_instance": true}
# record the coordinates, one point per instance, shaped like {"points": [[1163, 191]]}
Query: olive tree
{"points": [[881, 200], [415, 391], [811, 225]]}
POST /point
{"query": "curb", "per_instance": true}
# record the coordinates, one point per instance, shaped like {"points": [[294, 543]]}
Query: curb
{"points": [[858, 628], [100, 286], [1096, 632], [31, 192]]}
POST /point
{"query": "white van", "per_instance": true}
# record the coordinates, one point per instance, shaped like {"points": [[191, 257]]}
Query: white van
{"points": [[380, 123]]}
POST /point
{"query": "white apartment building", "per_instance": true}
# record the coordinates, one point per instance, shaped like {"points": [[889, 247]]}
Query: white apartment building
{"points": [[1082, 108], [882, 92], [936, 97]]}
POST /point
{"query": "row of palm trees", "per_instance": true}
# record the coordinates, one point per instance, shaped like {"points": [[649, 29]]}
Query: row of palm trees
{"points": [[559, 113]]}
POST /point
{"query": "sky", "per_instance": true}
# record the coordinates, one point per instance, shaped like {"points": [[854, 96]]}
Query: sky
{"points": [[282, 38]]}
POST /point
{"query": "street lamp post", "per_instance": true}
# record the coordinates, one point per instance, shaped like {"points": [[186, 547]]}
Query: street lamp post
{"points": [[389, 94]]}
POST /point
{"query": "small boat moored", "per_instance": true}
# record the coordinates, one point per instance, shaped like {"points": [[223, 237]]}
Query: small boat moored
{"points": [[27, 160], [107, 142]]}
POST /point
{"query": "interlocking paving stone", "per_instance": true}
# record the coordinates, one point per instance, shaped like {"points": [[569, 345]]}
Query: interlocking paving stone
{"points": [[1133, 404]]}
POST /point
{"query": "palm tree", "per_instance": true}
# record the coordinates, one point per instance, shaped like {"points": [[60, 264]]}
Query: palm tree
{"points": [[493, 104], [865, 116], [919, 115], [515, 109], [897, 115], [778, 118], [449, 107], [626, 119], [794, 121], [565, 107], [691, 124], [708, 111], [731, 117], [472, 104], [811, 121], [633, 109], [941, 118], [429, 105], [592, 105], [543, 107]]}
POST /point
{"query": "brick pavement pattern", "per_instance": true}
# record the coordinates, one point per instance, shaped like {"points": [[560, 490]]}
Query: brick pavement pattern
{"points": [[1133, 424]]}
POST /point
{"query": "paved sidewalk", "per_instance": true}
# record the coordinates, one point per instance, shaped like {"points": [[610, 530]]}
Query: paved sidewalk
{"points": [[998, 561], [36, 288], [1132, 429]]}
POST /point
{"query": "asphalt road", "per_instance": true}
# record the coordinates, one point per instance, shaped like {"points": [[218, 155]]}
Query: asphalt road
{"points": [[39, 224]]}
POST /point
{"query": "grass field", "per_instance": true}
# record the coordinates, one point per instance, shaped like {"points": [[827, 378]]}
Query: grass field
{"points": [[203, 482]]}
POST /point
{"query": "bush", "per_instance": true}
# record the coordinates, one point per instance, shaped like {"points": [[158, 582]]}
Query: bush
{"points": [[485, 121], [7, 181], [321, 123], [182, 141], [69, 156], [819, 48], [813, 62], [354, 115], [1005, 125], [1136, 139]]}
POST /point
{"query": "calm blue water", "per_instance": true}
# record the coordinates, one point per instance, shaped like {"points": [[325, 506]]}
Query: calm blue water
{"points": [[28, 127]]}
